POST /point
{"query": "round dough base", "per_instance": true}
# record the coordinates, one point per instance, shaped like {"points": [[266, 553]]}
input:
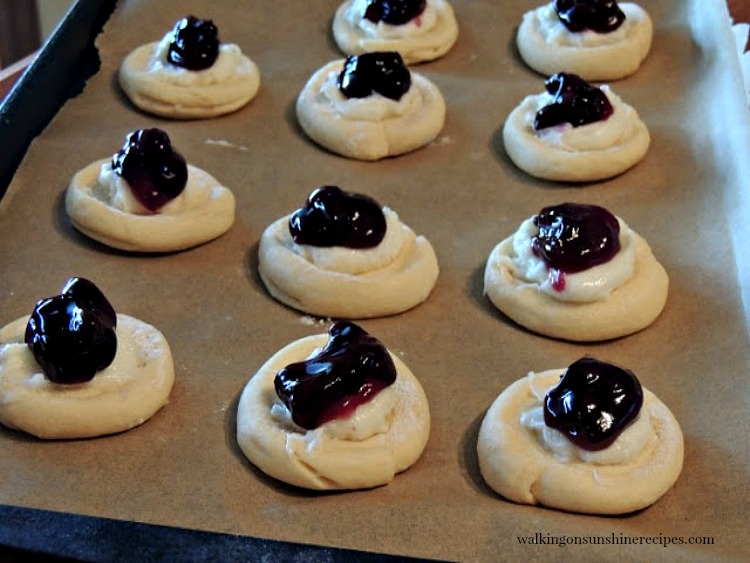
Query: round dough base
{"points": [[87, 410], [515, 464], [369, 140], [602, 62], [289, 278], [541, 160], [322, 463], [156, 96], [417, 49], [148, 233], [630, 308]]}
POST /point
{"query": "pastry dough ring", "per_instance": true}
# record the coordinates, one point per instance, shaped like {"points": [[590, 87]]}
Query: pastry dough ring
{"points": [[325, 463], [369, 140], [149, 92], [289, 278], [599, 62], [167, 232], [515, 465], [543, 160], [98, 407], [628, 309], [417, 49]]}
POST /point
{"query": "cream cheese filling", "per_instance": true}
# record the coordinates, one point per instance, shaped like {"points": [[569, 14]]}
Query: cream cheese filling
{"points": [[596, 136], [626, 448], [368, 419], [230, 65], [592, 284], [113, 190], [21, 375], [356, 260], [374, 107], [554, 32], [423, 24]]}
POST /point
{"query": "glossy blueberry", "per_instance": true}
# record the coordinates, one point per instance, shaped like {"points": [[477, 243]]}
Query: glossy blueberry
{"points": [[154, 171], [350, 370], [575, 101], [574, 237], [394, 12], [194, 45], [601, 16], [381, 72], [333, 217], [72, 335], [593, 403]]}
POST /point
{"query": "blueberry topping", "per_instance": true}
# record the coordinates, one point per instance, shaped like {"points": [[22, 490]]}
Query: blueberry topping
{"points": [[575, 101], [194, 45], [72, 335], [350, 370], [381, 72], [394, 12], [574, 237], [333, 217], [154, 171], [601, 16], [593, 403]]}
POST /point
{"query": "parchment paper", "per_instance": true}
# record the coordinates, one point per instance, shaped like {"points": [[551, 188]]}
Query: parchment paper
{"points": [[183, 468]]}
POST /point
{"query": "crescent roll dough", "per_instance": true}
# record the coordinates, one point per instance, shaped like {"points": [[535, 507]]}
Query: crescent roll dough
{"points": [[184, 94], [515, 464], [206, 212], [547, 46], [628, 308], [587, 153], [312, 458], [428, 38], [125, 394], [405, 282], [369, 128]]}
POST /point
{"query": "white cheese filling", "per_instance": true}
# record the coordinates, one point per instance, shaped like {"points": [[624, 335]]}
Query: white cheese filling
{"points": [[374, 107], [592, 284], [357, 260], [626, 447], [422, 24]]}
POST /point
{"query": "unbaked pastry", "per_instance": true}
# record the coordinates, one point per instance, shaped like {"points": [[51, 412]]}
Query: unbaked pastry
{"points": [[101, 205], [369, 128], [157, 86], [123, 395], [609, 300], [338, 282], [547, 46], [587, 153], [424, 38], [528, 462], [380, 439]]}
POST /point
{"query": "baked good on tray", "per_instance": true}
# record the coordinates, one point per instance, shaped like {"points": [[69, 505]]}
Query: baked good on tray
{"points": [[369, 107], [342, 255], [189, 74], [574, 132], [333, 411], [77, 369], [596, 39], [420, 30], [576, 272], [146, 198], [588, 438]]}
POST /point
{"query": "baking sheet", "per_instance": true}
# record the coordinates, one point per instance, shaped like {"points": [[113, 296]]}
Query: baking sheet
{"points": [[183, 468]]}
